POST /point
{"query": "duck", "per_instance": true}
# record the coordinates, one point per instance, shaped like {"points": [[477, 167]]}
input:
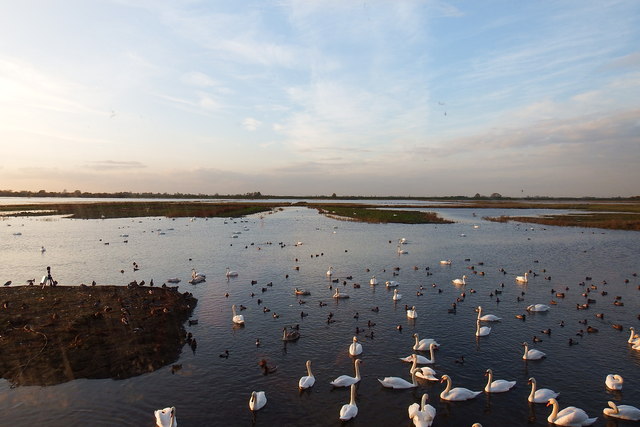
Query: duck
{"points": [[522, 279], [166, 417], [238, 319], [487, 317], [346, 380], [538, 307], [424, 372], [349, 410], [614, 382], [532, 354], [257, 400], [456, 394], [482, 331], [497, 386], [459, 281], [412, 313], [623, 412], [396, 295], [422, 360], [399, 383], [355, 349], [308, 380], [569, 416], [422, 414], [540, 395], [423, 344], [290, 335]]}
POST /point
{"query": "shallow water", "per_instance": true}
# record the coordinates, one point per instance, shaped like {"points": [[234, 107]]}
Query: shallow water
{"points": [[210, 390]]}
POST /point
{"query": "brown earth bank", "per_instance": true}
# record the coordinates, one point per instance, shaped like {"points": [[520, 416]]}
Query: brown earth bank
{"points": [[51, 335]]}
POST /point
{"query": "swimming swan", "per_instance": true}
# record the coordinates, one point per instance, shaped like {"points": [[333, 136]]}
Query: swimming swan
{"points": [[346, 380], [424, 372], [231, 273], [522, 279], [330, 272], [257, 400], [338, 295], [459, 281], [349, 410], [538, 307], [624, 412], [423, 344], [532, 354], [497, 386], [396, 295], [355, 348], [399, 383], [487, 317], [614, 382], [633, 338], [166, 417], [412, 313], [373, 281], [542, 395], [238, 319], [422, 360], [569, 416], [482, 331], [422, 414], [458, 393], [308, 380]]}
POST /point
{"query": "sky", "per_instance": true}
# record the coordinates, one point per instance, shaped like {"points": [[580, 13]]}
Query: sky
{"points": [[311, 97]]}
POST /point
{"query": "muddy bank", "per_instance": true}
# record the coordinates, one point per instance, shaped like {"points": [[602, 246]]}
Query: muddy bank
{"points": [[56, 334]]}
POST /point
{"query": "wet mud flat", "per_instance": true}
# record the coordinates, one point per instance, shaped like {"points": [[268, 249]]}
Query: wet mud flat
{"points": [[57, 334]]}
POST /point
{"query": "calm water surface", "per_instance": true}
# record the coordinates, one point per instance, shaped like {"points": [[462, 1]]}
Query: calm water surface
{"points": [[211, 391]]}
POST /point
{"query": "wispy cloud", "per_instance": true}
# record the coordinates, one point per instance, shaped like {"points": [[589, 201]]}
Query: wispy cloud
{"points": [[108, 165]]}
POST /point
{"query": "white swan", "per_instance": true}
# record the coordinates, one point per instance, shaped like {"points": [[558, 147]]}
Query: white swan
{"points": [[422, 414], [423, 344], [373, 281], [538, 307], [424, 372], [391, 284], [346, 380], [349, 410], [339, 295], [522, 279], [238, 319], [532, 354], [412, 313], [355, 348], [482, 331], [614, 382], [623, 412], [445, 262], [330, 271], [231, 273], [197, 277], [459, 281], [396, 295], [541, 395], [166, 417], [456, 394], [422, 360], [497, 386], [257, 400], [308, 380], [633, 338], [569, 416], [487, 317], [399, 383]]}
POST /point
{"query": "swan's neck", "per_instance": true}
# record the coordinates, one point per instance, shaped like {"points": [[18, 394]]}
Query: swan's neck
{"points": [[526, 349], [309, 370], [413, 377], [357, 367], [554, 413], [448, 388], [489, 380], [414, 366], [353, 395], [533, 390], [423, 403], [233, 309], [417, 339], [432, 354]]}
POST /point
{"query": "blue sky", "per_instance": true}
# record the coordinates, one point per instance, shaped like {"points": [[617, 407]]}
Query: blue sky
{"points": [[389, 97]]}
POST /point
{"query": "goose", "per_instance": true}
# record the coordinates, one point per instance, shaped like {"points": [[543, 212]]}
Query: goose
{"points": [[412, 313], [482, 331], [445, 262], [569, 416], [624, 412], [396, 295], [423, 344], [391, 284], [349, 410], [373, 281], [459, 281], [257, 400], [541, 395], [614, 382], [497, 386], [339, 295], [456, 394], [355, 349], [487, 317], [238, 319], [422, 414], [422, 360], [231, 273], [424, 372], [633, 338], [532, 354], [538, 307], [308, 380], [330, 272], [346, 380], [522, 279], [398, 383], [166, 417]]}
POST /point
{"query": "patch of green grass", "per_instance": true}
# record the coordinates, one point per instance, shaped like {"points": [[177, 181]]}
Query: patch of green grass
{"points": [[373, 215], [612, 221]]}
